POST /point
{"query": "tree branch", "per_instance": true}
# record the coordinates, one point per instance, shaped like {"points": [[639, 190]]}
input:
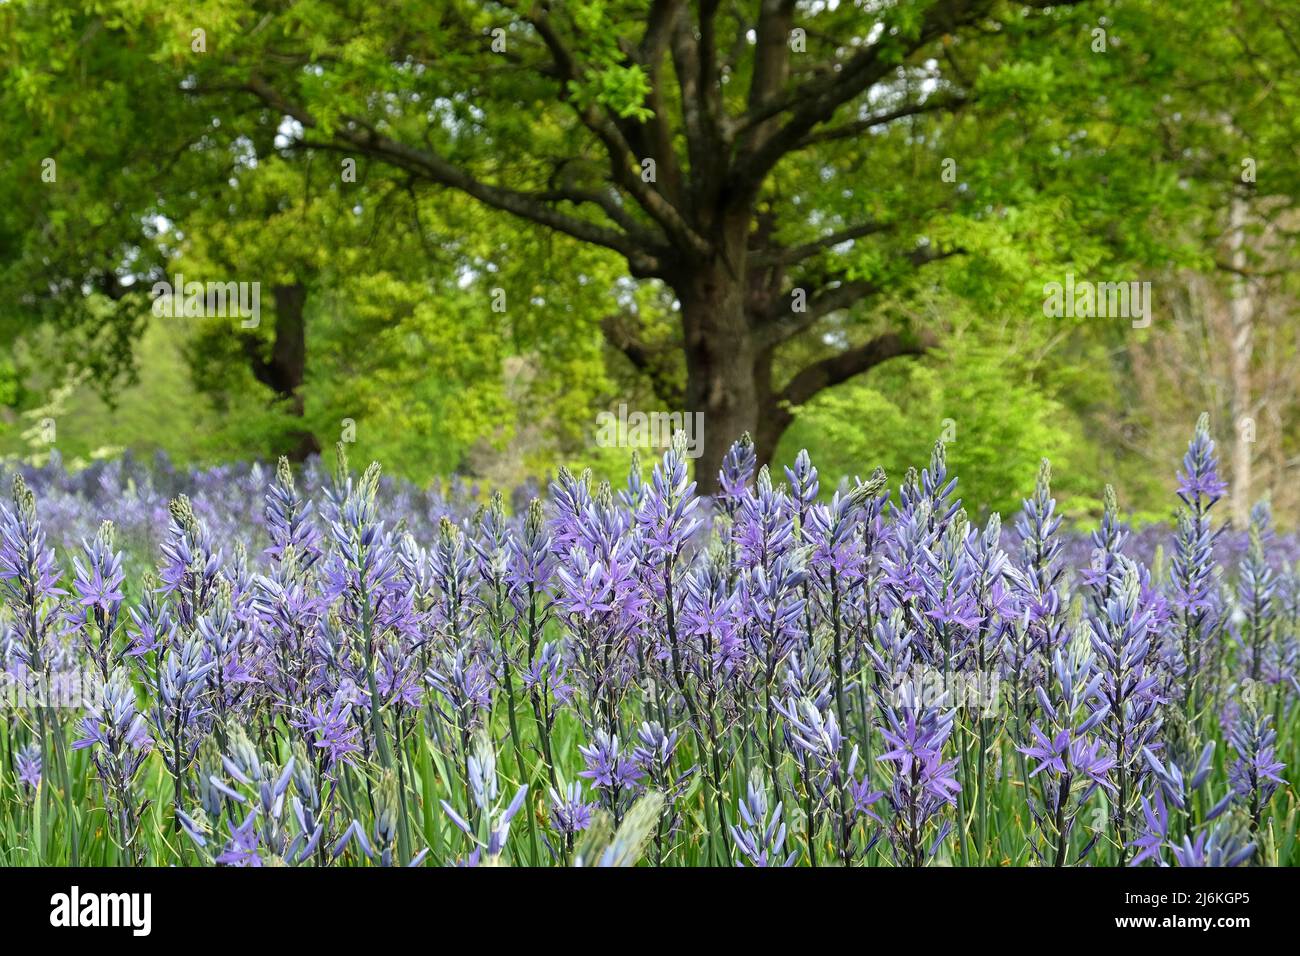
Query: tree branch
{"points": [[838, 368], [431, 166], [816, 101], [621, 155], [643, 359], [686, 54], [785, 256], [933, 104], [650, 53], [771, 67], [781, 324]]}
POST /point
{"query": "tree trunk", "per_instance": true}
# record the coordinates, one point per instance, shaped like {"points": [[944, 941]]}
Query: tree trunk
{"points": [[719, 363], [285, 371], [729, 374], [771, 426], [729, 361], [1242, 310]]}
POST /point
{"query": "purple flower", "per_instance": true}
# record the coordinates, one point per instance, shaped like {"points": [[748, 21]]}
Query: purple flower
{"points": [[1121, 637], [190, 564], [611, 773], [655, 749], [98, 587], [117, 737], [960, 609], [242, 850], [1200, 475], [760, 836], [570, 813], [803, 481], [294, 538], [27, 766], [1213, 848], [113, 725], [531, 564], [1154, 832], [737, 469], [316, 650], [764, 524], [484, 793], [922, 782], [466, 683], [1254, 773], [28, 579], [332, 729], [667, 515]]}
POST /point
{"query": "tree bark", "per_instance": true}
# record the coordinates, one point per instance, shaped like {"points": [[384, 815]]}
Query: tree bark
{"points": [[719, 363], [1242, 310], [285, 371], [729, 369]]}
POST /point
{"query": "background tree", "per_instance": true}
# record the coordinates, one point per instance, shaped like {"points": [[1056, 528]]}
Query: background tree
{"points": [[694, 141], [1224, 337], [751, 204]]}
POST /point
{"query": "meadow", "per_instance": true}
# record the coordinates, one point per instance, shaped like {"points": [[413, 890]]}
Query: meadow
{"points": [[256, 666]]}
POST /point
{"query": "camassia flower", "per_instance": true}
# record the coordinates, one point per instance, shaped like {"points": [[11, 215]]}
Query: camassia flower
{"points": [[1195, 595], [29, 577], [1216, 848], [570, 813], [1200, 475], [667, 517], [922, 782], [257, 795], [613, 774], [27, 767], [332, 729], [1070, 756], [98, 588], [760, 836], [488, 826], [1129, 690], [327, 668], [1039, 569], [1255, 772], [737, 469]]}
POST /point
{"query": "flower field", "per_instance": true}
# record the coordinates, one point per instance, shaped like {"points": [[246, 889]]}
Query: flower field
{"points": [[328, 668]]}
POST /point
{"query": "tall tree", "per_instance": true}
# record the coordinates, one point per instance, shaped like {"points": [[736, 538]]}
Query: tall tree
{"points": [[790, 172], [703, 143], [1223, 339]]}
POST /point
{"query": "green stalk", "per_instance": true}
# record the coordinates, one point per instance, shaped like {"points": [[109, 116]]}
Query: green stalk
{"points": [[519, 757], [377, 728], [60, 750]]}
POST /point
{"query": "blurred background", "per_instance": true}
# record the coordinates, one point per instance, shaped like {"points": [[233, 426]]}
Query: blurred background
{"points": [[476, 226]]}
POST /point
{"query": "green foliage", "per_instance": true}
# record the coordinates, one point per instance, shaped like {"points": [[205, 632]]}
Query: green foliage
{"points": [[421, 374], [159, 412], [996, 419], [1114, 164]]}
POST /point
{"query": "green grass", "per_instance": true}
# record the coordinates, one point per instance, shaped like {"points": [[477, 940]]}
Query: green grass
{"points": [[431, 777]]}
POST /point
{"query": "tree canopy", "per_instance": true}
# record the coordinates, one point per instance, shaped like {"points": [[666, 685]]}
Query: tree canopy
{"points": [[457, 209]]}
